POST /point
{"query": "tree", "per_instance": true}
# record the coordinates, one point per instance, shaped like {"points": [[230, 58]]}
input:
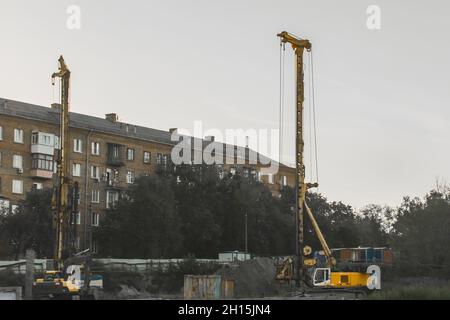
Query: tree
{"points": [[421, 234], [144, 223], [30, 226]]}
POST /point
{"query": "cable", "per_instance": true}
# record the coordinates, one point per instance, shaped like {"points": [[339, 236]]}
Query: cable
{"points": [[281, 111], [314, 116], [310, 126]]}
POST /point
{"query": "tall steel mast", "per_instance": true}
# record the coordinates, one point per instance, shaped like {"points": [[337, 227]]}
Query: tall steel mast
{"points": [[62, 186], [299, 46]]}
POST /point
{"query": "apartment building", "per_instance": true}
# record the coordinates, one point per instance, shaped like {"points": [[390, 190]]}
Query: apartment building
{"points": [[106, 156]]}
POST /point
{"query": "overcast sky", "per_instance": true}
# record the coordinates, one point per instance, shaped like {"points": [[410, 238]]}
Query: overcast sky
{"points": [[382, 96]]}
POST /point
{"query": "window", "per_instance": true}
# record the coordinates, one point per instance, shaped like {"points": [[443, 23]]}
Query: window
{"points": [[283, 181], [14, 208], [95, 219], [42, 162], [17, 186], [130, 154], [147, 157], [4, 206], [165, 160], [77, 146], [18, 135], [35, 138], [270, 178], [1, 133], [159, 158], [95, 197], [56, 144], [78, 218], [95, 148], [42, 138], [76, 170], [77, 242], [111, 198], [95, 172], [94, 247], [37, 186], [220, 171], [130, 177], [17, 161]]}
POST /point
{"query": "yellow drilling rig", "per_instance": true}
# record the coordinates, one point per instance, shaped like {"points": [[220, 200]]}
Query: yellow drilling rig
{"points": [[71, 268], [303, 267]]}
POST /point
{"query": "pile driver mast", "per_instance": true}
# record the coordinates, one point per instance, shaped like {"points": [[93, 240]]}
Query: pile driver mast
{"points": [[299, 46], [64, 196]]}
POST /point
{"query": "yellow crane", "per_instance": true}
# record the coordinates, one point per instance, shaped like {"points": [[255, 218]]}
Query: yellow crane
{"points": [[320, 277]]}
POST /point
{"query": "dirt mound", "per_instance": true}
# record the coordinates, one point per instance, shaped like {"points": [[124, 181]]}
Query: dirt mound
{"points": [[253, 278]]}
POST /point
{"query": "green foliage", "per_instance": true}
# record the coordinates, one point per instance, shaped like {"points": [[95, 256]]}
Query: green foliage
{"points": [[30, 227], [195, 211], [144, 224], [412, 293], [421, 235]]}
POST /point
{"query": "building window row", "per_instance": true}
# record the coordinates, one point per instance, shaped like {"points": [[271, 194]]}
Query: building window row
{"points": [[95, 219], [17, 186], [18, 135], [51, 140]]}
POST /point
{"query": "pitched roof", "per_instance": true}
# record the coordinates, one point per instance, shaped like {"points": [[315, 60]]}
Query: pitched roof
{"points": [[82, 121]]}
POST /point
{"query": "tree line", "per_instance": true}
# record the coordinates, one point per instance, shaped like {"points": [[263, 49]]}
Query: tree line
{"points": [[197, 211]]}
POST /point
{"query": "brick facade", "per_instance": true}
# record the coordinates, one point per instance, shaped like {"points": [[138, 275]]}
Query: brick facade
{"points": [[9, 121]]}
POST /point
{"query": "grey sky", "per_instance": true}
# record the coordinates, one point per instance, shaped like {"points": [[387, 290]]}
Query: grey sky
{"points": [[382, 96]]}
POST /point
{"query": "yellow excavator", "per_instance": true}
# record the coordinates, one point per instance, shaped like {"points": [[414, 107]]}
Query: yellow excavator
{"points": [[303, 268]]}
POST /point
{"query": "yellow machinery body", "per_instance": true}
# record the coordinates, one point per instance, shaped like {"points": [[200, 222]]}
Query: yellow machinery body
{"points": [[349, 279]]}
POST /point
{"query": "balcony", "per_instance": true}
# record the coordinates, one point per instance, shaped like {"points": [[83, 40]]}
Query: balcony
{"points": [[115, 155], [42, 166], [41, 174], [43, 143]]}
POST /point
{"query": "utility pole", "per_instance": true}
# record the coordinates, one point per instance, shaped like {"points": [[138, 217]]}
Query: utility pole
{"points": [[246, 235], [299, 46], [29, 277]]}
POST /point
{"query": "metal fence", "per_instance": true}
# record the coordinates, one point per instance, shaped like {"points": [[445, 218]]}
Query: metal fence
{"points": [[122, 265]]}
